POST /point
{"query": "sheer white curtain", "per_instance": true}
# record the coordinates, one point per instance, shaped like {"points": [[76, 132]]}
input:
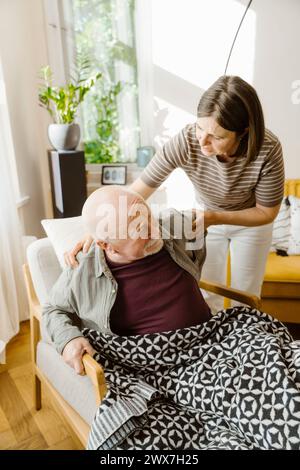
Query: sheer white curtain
{"points": [[12, 291], [143, 38]]}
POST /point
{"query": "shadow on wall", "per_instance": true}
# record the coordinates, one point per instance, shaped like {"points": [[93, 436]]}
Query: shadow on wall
{"points": [[276, 66], [175, 104], [186, 64], [176, 90], [173, 93], [160, 116]]}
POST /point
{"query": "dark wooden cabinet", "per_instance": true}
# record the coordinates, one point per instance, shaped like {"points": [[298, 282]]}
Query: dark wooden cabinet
{"points": [[68, 182]]}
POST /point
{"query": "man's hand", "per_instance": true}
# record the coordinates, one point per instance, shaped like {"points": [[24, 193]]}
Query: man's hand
{"points": [[73, 352], [70, 256]]}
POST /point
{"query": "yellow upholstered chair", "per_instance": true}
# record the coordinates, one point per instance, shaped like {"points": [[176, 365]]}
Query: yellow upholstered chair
{"points": [[280, 294], [281, 288]]}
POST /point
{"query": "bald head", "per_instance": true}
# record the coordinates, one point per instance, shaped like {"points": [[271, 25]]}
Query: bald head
{"points": [[122, 224], [109, 211]]}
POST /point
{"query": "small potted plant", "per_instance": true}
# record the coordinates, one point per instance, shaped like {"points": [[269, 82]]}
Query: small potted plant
{"points": [[62, 104]]}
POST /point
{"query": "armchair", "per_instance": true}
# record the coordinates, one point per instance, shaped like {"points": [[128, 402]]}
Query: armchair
{"points": [[76, 397]]}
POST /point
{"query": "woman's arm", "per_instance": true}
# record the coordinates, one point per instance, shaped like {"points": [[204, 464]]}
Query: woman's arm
{"points": [[255, 216], [142, 188], [172, 155]]}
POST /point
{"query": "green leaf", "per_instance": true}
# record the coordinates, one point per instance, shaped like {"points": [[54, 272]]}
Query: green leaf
{"points": [[62, 103]]}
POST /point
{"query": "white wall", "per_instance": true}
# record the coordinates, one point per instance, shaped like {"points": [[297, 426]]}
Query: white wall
{"points": [[191, 40], [276, 67], [23, 51]]}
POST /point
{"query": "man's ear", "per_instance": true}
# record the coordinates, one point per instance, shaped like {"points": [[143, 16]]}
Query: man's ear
{"points": [[106, 246], [102, 245]]}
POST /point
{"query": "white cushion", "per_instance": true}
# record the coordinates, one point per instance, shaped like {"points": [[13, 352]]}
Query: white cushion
{"points": [[294, 241], [45, 270], [281, 227], [44, 267], [64, 234]]}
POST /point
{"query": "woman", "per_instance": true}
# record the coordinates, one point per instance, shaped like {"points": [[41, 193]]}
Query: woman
{"points": [[236, 167]]}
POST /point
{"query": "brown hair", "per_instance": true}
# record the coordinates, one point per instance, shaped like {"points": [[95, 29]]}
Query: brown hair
{"points": [[234, 104]]}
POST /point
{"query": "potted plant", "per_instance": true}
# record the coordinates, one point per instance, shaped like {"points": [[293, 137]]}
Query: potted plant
{"points": [[62, 104]]}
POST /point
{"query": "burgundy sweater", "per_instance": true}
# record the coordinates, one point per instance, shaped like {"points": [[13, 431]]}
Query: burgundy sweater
{"points": [[155, 294]]}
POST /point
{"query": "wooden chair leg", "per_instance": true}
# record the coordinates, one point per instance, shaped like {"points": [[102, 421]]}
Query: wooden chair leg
{"points": [[37, 394]]}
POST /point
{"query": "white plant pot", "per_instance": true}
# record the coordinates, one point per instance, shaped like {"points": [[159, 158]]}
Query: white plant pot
{"points": [[64, 136]]}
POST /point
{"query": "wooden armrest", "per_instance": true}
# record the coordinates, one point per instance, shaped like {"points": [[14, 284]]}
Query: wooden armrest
{"points": [[36, 311], [234, 294], [95, 372], [35, 306]]}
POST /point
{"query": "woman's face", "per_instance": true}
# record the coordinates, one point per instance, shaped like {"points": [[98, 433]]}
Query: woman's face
{"points": [[215, 140]]}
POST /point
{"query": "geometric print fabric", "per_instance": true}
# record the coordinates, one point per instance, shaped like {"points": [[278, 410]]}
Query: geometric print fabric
{"points": [[230, 383]]}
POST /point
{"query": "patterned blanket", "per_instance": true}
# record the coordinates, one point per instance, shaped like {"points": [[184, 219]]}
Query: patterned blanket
{"points": [[230, 383]]}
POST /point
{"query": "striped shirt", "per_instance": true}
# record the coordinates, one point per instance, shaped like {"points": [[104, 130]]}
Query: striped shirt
{"points": [[222, 186]]}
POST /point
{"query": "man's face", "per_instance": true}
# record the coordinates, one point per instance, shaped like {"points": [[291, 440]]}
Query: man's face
{"points": [[143, 236]]}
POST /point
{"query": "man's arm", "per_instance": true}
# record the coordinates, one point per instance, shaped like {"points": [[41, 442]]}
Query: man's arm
{"points": [[58, 312], [57, 317]]}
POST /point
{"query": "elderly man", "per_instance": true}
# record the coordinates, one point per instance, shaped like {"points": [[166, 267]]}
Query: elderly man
{"points": [[137, 278]]}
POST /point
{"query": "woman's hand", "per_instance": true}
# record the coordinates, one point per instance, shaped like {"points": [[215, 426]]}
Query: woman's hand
{"points": [[202, 220], [70, 256]]}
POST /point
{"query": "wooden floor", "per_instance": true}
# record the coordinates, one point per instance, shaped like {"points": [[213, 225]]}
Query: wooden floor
{"points": [[21, 426]]}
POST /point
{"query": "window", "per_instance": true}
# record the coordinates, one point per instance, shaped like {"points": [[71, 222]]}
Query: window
{"points": [[104, 32]]}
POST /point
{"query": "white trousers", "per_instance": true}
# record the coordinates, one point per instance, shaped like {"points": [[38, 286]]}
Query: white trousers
{"points": [[249, 248]]}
